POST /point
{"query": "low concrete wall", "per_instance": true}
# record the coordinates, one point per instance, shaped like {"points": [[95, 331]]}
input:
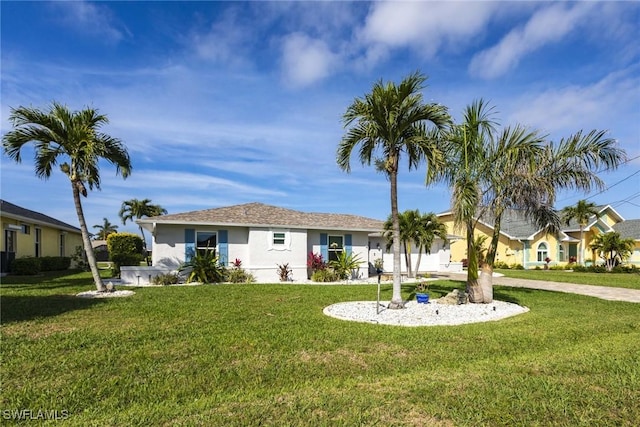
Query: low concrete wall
{"points": [[140, 275], [451, 267]]}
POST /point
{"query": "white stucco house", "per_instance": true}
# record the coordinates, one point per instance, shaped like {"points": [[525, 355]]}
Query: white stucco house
{"points": [[263, 236]]}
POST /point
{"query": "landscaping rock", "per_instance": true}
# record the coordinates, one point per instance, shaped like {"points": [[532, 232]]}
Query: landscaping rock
{"points": [[454, 297]]}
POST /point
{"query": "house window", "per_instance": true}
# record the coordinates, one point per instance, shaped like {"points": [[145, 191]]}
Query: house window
{"points": [[38, 239], [206, 241], [278, 238], [561, 254], [25, 229], [62, 244], [542, 252], [335, 247]]}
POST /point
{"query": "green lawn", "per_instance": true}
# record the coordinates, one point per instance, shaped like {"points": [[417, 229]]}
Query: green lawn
{"points": [[620, 280], [240, 355]]}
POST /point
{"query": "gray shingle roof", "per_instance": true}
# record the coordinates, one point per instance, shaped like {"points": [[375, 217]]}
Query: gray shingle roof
{"points": [[629, 229], [20, 213], [261, 215]]}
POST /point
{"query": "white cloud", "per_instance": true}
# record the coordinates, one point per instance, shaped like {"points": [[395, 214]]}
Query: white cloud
{"points": [[546, 26], [564, 110], [306, 60], [225, 42], [425, 26], [90, 18]]}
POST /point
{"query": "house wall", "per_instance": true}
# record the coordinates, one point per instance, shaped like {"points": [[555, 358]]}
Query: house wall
{"points": [[49, 243], [264, 257], [359, 246]]}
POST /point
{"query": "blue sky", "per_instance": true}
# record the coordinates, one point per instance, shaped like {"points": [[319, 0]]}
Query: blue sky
{"points": [[222, 103]]}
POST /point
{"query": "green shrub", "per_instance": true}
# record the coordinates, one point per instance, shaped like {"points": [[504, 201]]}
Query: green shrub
{"points": [[326, 275], [124, 249], [55, 263], [501, 265], [27, 266], [165, 279], [625, 269], [204, 268], [557, 267], [345, 264], [517, 267], [239, 275]]}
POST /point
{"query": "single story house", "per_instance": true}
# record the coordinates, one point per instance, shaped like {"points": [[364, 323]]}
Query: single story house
{"points": [[521, 242], [31, 233], [262, 237]]}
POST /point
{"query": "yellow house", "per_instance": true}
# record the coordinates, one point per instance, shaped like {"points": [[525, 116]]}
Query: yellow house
{"points": [[522, 243], [29, 233]]}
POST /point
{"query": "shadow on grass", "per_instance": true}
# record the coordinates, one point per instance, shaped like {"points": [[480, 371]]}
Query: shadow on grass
{"points": [[18, 308], [439, 289], [50, 280]]}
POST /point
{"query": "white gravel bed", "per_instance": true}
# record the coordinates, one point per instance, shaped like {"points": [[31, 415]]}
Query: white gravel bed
{"points": [[431, 314], [96, 294]]}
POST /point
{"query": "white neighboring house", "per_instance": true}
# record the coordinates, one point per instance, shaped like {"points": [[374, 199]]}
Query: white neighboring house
{"points": [[261, 236]]}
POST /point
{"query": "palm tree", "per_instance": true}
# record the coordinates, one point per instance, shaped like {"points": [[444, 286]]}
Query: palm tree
{"points": [[491, 171], [428, 229], [105, 229], [612, 248], [136, 209], [465, 172], [409, 224], [75, 140], [581, 212], [391, 121]]}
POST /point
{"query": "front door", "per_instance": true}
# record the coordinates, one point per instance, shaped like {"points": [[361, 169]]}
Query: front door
{"points": [[9, 253]]}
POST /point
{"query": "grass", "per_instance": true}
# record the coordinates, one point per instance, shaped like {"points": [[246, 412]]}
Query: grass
{"points": [[619, 280], [266, 355]]}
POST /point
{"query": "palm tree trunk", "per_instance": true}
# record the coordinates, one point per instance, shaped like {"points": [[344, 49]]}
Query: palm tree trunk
{"points": [[415, 274], [473, 287], [396, 299], [407, 257], [86, 241], [580, 248]]}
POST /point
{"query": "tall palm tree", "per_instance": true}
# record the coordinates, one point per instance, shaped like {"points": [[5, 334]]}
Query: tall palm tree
{"points": [[392, 121], [136, 209], [75, 140], [612, 248], [491, 171], [581, 212], [105, 229], [465, 173], [428, 229]]}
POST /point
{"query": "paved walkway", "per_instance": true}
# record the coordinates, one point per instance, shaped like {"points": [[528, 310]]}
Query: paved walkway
{"points": [[603, 292]]}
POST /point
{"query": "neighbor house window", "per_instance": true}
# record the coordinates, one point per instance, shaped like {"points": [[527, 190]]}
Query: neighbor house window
{"points": [[38, 239], [561, 254], [542, 252], [335, 247], [62, 244], [206, 241], [25, 229]]}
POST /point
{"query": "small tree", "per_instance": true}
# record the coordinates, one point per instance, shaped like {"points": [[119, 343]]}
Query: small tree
{"points": [[124, 249], [612, 248]]}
